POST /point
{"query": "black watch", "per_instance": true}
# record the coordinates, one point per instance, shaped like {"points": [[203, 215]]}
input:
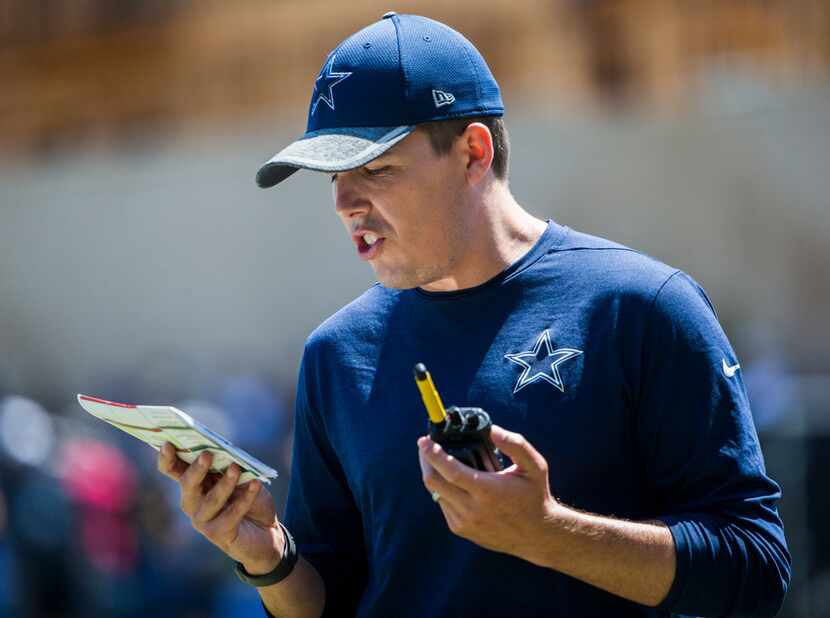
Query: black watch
{"points": [[280, 572]]}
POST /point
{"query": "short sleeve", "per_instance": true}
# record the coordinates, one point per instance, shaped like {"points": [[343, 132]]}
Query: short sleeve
{"points": [[320, 510], [703, 464]]}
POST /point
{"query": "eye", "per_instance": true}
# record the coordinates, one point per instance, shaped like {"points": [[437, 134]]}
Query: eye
{"points": [[376, 171]]}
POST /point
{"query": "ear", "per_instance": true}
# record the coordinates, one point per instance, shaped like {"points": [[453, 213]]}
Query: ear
{"points": [[477, 143]]}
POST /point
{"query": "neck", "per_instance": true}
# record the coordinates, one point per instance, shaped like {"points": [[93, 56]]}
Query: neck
{"points": [[498, 233]]}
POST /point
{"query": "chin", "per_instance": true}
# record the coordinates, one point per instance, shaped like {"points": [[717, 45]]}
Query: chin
{"points": [[399, 279], [396, 282]]}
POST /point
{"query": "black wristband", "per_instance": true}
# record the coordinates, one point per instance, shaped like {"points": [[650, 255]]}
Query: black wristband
{"points": [[280, 572]]}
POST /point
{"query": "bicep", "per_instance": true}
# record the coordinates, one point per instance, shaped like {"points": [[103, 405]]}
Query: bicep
{"points": [[702, 462]]}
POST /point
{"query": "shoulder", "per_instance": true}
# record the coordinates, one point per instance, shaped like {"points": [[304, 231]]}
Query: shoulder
{"points": [[615, 273], [611, 268]]}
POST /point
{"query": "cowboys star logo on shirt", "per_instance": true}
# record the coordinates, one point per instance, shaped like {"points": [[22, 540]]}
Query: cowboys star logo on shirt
{"points": [[541, 363]]}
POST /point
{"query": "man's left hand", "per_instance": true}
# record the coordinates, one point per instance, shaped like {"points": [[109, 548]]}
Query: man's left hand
{"points": [[507, 511]]}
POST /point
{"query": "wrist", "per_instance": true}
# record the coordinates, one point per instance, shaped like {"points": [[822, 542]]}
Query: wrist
{"points": [[268, 564], [283, 568], [551, 541]]}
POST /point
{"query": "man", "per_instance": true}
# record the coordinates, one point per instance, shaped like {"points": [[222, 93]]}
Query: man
{"points": [[637, 486]]}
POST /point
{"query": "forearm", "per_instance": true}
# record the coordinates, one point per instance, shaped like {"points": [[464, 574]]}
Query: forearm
{"points": [[300, 595], [634, 560]]}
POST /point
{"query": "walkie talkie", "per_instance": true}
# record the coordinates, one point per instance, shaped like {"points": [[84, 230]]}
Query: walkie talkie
{"points": [[464, 433]]}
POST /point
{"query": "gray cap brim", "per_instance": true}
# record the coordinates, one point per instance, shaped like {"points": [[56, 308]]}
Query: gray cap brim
{"points": [[330, 150]]}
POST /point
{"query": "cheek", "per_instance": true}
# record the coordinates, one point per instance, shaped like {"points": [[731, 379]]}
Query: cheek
{"points": [[424, 213], [436, 196], [442, 209], [428, 224]]}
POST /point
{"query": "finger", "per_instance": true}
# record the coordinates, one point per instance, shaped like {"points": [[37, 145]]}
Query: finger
{"points": [[169, 463], [215, 499], [233, 514], [210, 481], [434, 482], [191, 483], [452, 470], [516, 446], [452, 516]]}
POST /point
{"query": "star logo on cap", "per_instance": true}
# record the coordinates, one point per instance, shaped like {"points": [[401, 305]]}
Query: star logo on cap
{"points": [[324, 86], [541, 363]]}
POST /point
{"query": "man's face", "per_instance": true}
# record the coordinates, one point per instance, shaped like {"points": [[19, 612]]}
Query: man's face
{"points": [[405, 212]]}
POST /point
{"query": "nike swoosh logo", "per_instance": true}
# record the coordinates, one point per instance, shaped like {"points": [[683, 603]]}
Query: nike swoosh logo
{"points": [[730, 371]]}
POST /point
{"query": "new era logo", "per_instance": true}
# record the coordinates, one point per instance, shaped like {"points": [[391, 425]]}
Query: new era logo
{"points": [[442, 98]]}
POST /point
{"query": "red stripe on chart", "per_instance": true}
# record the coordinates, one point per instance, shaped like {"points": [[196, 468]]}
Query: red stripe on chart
{"points": [[109, 403]]}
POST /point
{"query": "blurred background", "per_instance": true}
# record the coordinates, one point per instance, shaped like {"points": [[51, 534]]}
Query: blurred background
{"points": [[139, 262]]}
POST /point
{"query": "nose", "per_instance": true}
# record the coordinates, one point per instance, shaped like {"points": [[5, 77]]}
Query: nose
{"points": [[347, 202]]}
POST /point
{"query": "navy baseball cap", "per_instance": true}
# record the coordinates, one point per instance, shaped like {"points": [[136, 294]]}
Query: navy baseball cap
{"points": [[379, 83]]}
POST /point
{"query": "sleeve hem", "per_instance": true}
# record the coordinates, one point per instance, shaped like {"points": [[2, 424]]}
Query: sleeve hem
{"points": [[682, 561]]}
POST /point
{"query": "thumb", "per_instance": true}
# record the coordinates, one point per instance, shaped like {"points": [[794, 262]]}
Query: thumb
{"points": [[515, 446]]}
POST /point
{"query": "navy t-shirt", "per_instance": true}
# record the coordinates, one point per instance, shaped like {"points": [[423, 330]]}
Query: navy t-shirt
{"points": [[611, 363]]}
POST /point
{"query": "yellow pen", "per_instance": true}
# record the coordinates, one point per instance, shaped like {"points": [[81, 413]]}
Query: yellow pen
{"points": [[432, 400]]}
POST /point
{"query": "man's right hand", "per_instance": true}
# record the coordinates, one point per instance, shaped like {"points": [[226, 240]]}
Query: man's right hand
{"points": [[241, 521]]}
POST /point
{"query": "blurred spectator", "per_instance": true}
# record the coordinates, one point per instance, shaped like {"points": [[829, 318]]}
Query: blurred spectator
{"points": [[27, 433], [42, 525], [8, 568]]}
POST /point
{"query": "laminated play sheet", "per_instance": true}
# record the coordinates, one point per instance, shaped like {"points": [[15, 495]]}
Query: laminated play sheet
{"points": [[156, 425]]}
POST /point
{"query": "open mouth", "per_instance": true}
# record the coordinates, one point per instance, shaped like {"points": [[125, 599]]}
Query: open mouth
{"points": [[368, 244]]}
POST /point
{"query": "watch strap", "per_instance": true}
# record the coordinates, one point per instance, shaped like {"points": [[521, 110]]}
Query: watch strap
{"points": [[280, 572]]}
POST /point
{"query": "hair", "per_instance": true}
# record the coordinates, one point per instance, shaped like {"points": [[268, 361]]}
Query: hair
{"points": [[443, 133]]}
